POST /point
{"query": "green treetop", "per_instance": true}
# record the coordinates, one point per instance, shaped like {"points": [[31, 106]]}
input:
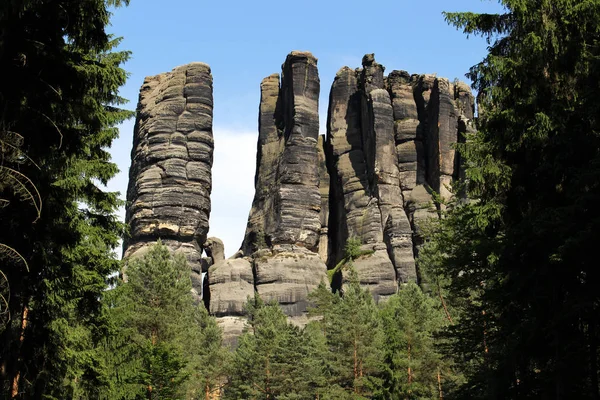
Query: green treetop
{"points": [[163, 344]]}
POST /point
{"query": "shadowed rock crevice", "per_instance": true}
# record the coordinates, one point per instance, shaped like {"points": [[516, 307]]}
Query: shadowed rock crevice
{"points": [[390, 145], [366, 198]]}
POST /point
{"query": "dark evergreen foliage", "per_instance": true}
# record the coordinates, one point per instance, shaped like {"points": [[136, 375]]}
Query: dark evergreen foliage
{"points": [[275, 359], [162, 344], [59, 97], [520, 256]]}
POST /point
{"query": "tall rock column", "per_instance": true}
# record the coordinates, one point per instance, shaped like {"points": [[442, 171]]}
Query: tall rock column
{"points": [[442, 135], [299, 199], [168, 197], [408, 138], [410, 129], [324, 182], [378, 129], [261, 222], [366, 198], [282, 239]]}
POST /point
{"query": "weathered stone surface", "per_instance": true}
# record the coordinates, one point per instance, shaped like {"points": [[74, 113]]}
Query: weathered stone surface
{"points": [[396, 228], [286, 236], [232, 328], [466, 110], [353, 210], [390, 144], [170, 175], [215, 250], [409, 143], [442, 106], [430, 116], [231, 281], [287, 275], [299, 199], [376, 273], [262, 219], [365, 187]]}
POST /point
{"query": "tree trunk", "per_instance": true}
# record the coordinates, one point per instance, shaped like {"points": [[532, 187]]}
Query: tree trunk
{"points": [[15, 382], [355, 366], [439, 380], [593, 359], [268, 372], [485, 347], [444, 303], [409, 370]]}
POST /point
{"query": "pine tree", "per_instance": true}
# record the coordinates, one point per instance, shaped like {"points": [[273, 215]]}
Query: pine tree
{"points": [[60, 99], [354, 338], [415, 365], [275, 359], [520, 255], [163, 344]]}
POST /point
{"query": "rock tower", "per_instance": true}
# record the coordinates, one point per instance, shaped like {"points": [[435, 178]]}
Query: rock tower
{"points": [[390, 146], [168, 197]]}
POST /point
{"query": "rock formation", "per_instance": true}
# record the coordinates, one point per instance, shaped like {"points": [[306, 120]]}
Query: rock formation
{"points": [[283, 257], [431, 115], [390, 145], [366, 199], [170, 176]]}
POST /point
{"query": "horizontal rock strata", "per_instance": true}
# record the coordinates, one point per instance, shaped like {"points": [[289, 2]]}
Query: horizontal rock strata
{"points": [[390, 145], [365, 196], [170, 176]]}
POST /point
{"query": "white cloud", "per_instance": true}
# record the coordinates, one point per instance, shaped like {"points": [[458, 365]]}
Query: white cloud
{"points": [[233, 185]]}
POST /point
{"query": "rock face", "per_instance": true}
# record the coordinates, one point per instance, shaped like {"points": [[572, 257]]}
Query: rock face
{"points": [[170, 176], [286, 221], [366, 198], [390, 145], [284, 250], [287, 203]]}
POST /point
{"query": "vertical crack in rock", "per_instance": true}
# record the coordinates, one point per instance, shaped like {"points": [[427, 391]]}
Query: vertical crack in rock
{"points": [[408, 135], [430, 116], [466, 110], [442, 135], [390, 143], [170, 176], [298, 197], [379, 130], [324, 183], [291, 267], [261, 222]]}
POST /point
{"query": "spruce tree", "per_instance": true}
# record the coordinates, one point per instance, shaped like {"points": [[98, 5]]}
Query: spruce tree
{"points": [[520, 256], [59, 106], [275, 359]]}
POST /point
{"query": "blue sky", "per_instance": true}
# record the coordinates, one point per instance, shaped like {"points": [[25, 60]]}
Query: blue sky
{"points": [[245, 41]]}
